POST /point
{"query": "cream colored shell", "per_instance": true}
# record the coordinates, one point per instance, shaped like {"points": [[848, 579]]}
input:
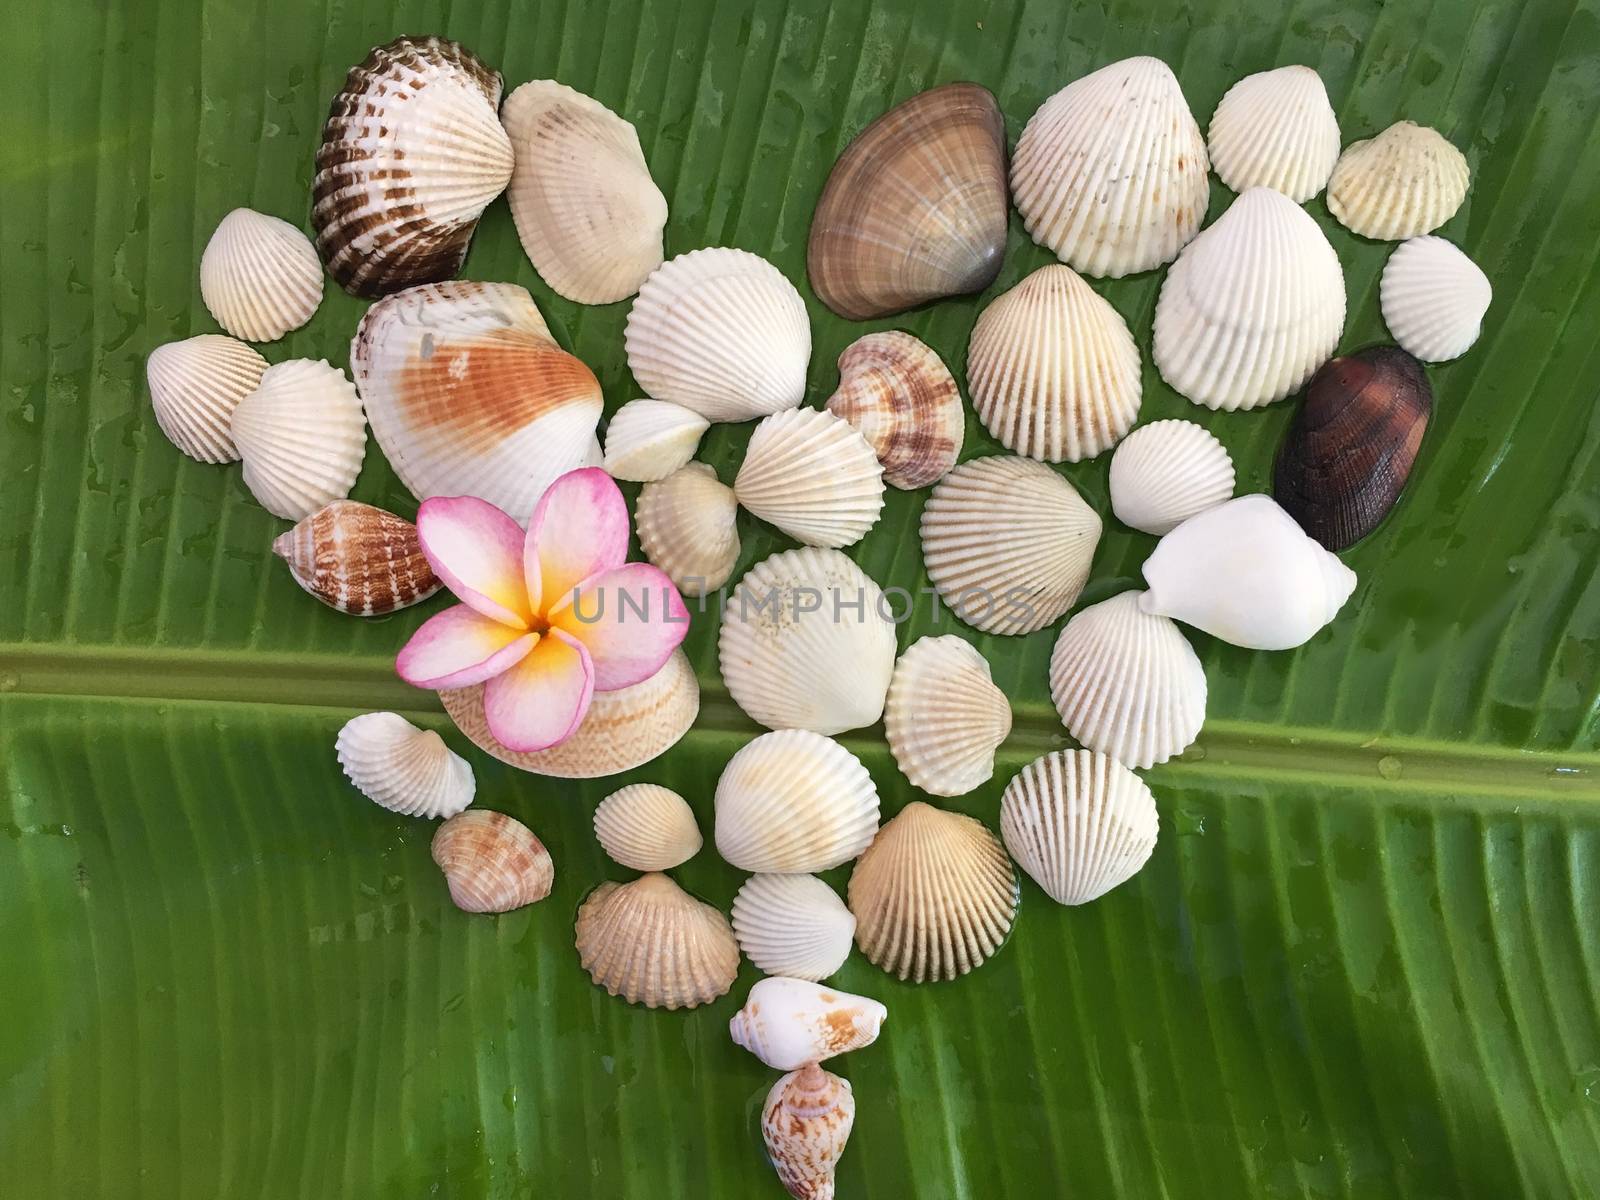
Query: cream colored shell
{"points": [[492, 863], [945, 718], [647, 827], [407, 770], [195, 385], [688, 526], [805, 1124], [301, 435], [793, 925], [1276, 129], [1406, 181], [814, 476], [1164, 473], [652, 943], [260, 276], [787, 1023], [1434, 298], [650, 439]]}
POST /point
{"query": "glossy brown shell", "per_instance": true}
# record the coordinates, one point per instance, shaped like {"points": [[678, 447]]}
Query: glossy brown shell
{"points": [[358, 559]]}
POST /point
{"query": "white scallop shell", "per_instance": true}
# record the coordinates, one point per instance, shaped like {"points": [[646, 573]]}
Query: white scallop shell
{"points": [[1406, 181], [301, 436], [945, 718], [788, 1023], [805, 1124], [1252, 307], [402, 768], [1110, 173], [647, 827], [1164, 473], [195, 385], [793, 925], [260, 276], [1276, 129], [688, 527], [722, 332], [814, 476], [650, 439], [1433, 298]]}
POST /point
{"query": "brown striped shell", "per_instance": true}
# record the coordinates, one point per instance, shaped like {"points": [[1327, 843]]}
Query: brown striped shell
{"points": [[492, 862], [897, 391], [358, 559], [805, 1123]]}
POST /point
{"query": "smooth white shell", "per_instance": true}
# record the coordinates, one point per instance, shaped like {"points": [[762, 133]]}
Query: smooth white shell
{"points": [[687, 525], [1276, 129], [1433, 299], [647, 827], [1164, 473], [260, 276], [814, 476], [787, 1023], [793, 925], [402, 768], [650, 439], [945, 718], [195, 385], [1406, 181], [301, 436], [805, 1124]]}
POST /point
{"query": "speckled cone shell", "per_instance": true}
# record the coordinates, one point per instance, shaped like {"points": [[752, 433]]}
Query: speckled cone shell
{"points": [[934, 895], [358, 559], [1079, 823], [492, 862], [788, 1023], [945, 718], [812, 475], [1276, 129], [301, 436], [1008, 543], [652, 943], [402, 768], [1407, 181], [793, 925], [805, 1123], [260, 276], [650, 439], [647, 827], [195, 385], [1434, 298], [1164, 473], [903, 399], [688, 526]]}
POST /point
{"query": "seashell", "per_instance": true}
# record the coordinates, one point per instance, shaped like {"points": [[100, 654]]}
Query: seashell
{"points": [[807, 643], [650, 439], [623, 729], [1127, 683], [812, 475], [1349, 450], [587, 211], [492, 862], [945, 718], [1053, 370], [1246, 573], [301, 436], [407, 770], [1433, 298], [789, 1023], [805, 1124], [358, 559], [1110, 173], [647, 827], [412, 153], [899, 394], [687, 526], [1252, 307], [721, 332], [469, 395], [652, 943], [1079, 823], [1409, 180], [794, 802], [1276, 129], [915, 209], [1165, 472], [259, 276], [792, 925], [195, 385], [1008, 543], [934, 895]]}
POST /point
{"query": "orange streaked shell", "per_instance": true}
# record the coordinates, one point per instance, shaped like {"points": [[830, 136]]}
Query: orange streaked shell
{"points": [[492, 862], [805, 1123], [358, 559], [652, 943], [897, 391]]}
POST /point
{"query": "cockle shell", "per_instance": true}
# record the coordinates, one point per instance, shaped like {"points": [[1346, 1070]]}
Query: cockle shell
{"points": [[358, 559], [402, 768], [195, 385], [1276, 129], [788, 1023], [805, 1124], [1433, 298], [587, 211], [469, 395], [411, 155], [934, 895], [1246, 573], [903, 399], [1053, 370], [793, 925], [260, 276], [492, 862], [1252, 307], [688, 527], [794, 802], [1406, 181], [301, 436], [647, 827], [722, 332], [915, 208], [945, 718], [807, 643], [1008, 543], [1110, 173], [652, 943], [812, 475], [1079, 823], [650, 439], [1165, 472]]}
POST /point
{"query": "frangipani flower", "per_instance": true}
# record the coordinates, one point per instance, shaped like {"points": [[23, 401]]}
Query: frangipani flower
{"points": [[546, 618]]}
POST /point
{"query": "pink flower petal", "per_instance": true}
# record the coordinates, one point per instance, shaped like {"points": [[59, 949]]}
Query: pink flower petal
{"points": [[579, 529], [458, 647], [477, 550], [630, 618], [544, 698]]}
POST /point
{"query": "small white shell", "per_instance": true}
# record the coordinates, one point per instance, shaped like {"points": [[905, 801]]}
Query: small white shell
{"points": [[301, 435], [1406, 181], [814, 476], [1276, 129], [1433, 298], [688, 527], [788, 1023], [402, 768], [793, 925], [805, 1124], [650, 439], [1165, 472], [647, 827], [195, 385], [260, 276], [945, 718]]}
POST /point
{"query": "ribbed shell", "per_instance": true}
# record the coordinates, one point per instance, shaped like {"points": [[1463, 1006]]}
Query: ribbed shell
{"points": [[1276, 129], [1164, 473], [1434, 298], [903, 399], [1406, 181], [195, 385], [687, 525], [301, 436], [260, 276], [402, 768], [787, 1023], [650, 439], [652, 943], [358, 559], [647, 827], [945, 718], [492, 862], [812, 475], [805, 1124], [793, 925]]}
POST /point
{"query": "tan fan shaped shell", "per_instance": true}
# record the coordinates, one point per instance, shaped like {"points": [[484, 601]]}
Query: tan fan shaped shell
{"points": [[805, 1124], [407, 770], [945, 717], [301, 436], [650, 439], [492, 862], [812, 475], [792, 925], [1276, 129], [652, 943], [358, 559], [1406, 181], [647, 827], [195, 385], [899, 394], [787, 1023], [260, 276], [1164, 473], [1434, 298], [688, 527]]}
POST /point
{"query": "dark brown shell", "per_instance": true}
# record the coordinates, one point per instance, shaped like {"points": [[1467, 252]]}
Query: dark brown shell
{"points": [[1348, 454], [358, 559]]}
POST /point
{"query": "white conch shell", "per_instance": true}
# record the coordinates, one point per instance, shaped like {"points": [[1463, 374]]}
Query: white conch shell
{"points": [[1246, 573], [722, 332], [1008, 543], [794, 802], [814, 476], [897, 391], [301, 436], [688, 526], [1164, 473], [805, 1124], [650, 439], [195, 385], [807, 643], [587, 211], [1433, 298], [652, 943], [1052, 368], [402, 768], [1110, 173], [788, 1023], [945, 718], [260, 276], [1252, 307], [1406, 181], [1276, 129], [1079, 823], [647, 827], [493, 863], [793, 925]]}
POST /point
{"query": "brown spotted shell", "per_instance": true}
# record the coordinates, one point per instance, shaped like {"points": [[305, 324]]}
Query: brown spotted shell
{"points": [[492, 862], [805, 1123], [897, 391], [652, 943], [358, 559]]}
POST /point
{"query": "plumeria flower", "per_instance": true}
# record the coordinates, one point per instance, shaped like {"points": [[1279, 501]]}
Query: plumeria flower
{"points": [[546, 618]]}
